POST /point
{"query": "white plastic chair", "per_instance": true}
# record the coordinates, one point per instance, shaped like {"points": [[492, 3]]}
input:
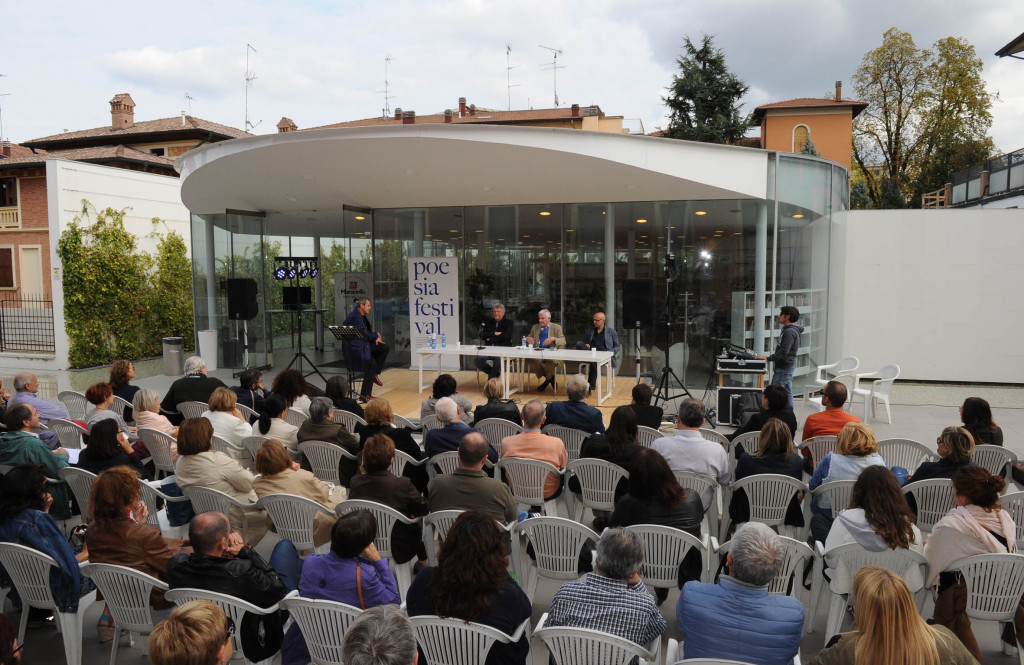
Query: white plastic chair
{"points": [[995, 583], [126, 592], [879, 390], [527, 478], [435, 529], [717, 437], [995, 459], [324, 458], [582, 646], [459, 642], [934, 498], [235, 608], [443, 463], [572, 438], [665, 548], [846, 366], [645, 436], [751, 442], [80, 481], [496, 429], [205, 499], [598, 480], [239, 453], [836, 495], [401, 421], [906, 453], [120, 407], [430, 422], [252, 444], [294, 518], [150, 495], [704, 484], [769, 495], [193, 409], [295, 417], [386, 518], [557, 543], [248, 413], [69, 433], [401, 460], [1013, 502], [323, 624], [75, 403], [29, 569], [159, 446], [819, 446], [348, 419], [846, 560]]}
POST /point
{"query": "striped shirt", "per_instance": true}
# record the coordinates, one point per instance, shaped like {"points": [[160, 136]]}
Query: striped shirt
{"points": [[610, 606]]}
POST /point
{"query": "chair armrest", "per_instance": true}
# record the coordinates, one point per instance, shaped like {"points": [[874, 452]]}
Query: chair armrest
{"points": [[524, 627]]}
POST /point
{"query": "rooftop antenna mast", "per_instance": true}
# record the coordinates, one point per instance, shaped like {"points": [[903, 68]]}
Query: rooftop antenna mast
{"points": [[554, 67], [508, 73], [249, 78], [387, 86], [188, 101]]}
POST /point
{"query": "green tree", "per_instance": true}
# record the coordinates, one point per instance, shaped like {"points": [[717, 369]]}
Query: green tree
{"points": [[171, 306], [927, 114], [810, 149], [704, 98], [859, 199]]}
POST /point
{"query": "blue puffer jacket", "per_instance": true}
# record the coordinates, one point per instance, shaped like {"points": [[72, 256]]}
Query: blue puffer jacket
{"points": [[733, 620]]}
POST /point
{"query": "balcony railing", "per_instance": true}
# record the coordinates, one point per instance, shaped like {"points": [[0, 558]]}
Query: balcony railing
{"points": [[9, 218]]}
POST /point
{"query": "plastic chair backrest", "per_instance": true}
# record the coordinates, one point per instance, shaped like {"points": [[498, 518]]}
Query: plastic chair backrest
{"points": [[526, 478], [886, 377], [455, 641], [993, 458], [193, 409], [150, 495], [386, 518], [837, 492], [323, 624], [645, 436], [1013, 502], [598, 480], [769, 496], [29, 569], [496, 429], [571, 646], [120, 407], [205, 499], [665, 548], [80, 481], [401, 421], [159, 446], [221, 444], [430, 422], [248, 413], [819, 447], [324, 458], [995, 583], [69, 433], [295, 417], [702, 484], [293, 517], [572, 438], [906, 453], [798, 557], [401, 459], [253, 443], [750, 442], [348, 419], [443, 463], [934, 498], [435, 530], [854, 557], [126, 592], [557, 543], [717, 437], [75, 403]]}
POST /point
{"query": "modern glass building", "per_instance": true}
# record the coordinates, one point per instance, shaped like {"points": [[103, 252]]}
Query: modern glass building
{"points": [[537, 218]]}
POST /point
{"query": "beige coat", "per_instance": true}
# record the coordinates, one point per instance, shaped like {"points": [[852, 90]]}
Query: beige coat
{"points": [[217, 471], [965, 531], [305, 484]]}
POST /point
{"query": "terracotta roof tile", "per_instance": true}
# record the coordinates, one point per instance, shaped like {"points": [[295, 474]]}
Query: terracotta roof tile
{"points": [[97, 154], [482, 116], [162, 125], [809, 102]]}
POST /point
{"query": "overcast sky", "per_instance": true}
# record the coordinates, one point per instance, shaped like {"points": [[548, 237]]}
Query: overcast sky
{"points": [[324, 62]]}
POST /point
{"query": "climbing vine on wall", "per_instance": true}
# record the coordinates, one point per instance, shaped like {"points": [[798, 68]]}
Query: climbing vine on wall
{"points": [[118, 300]]}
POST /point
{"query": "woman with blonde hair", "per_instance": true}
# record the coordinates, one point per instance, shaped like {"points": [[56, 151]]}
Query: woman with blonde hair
{"points": [[496, 407], [856, 450], [146, 408], [228, 422], [196, 633], [380, 420], [889, 629]]}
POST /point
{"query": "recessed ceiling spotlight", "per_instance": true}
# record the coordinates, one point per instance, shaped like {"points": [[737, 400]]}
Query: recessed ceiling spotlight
{"points": [[701, 212], [641, 221], [798, 216], [360, 218]]}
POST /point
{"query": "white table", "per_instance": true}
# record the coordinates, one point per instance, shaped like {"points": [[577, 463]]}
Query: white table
{"points": [[508, 354]]}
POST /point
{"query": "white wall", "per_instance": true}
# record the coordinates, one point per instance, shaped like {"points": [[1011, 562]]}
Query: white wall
{"points": [[936, 291]]}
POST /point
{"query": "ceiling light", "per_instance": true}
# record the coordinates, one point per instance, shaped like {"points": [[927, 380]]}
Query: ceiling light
{"points": [[453, 230], [545, 213], [700, 212], [526, 235], [798, 216], [360, 218], [641, 221], [738, 233]]}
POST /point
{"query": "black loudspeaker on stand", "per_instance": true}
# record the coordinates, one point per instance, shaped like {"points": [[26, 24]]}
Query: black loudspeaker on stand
{"points": [[242, 303], [638, 303]]}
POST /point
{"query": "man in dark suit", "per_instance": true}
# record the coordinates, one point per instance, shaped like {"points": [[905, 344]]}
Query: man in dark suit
{"points": [[370, 355], [599, 338], [575, 412], [448, 436], [497, 332]]}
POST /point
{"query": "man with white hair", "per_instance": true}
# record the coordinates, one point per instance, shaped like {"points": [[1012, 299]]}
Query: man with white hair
{"points": [[381, 635], [575, 412], [26, 391], [736, 619], [447, 437], [545, 335], [195, 386], [321, 427]]}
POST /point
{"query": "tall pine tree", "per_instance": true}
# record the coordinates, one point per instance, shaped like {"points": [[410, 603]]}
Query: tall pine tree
{"points": [[705, 97]]}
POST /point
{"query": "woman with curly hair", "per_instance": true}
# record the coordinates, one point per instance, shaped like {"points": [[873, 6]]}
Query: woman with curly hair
{"points": [[976, 415], [121, 373], [471, 582], [291, 386], [956, 450]]}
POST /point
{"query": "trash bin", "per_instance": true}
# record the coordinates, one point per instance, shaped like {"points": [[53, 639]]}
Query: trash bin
{"points": [[208, 348], [174, 356]]}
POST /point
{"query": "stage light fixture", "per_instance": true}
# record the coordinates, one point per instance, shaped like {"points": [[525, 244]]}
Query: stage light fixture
{"points": [[314, 272], [280, 273], [292, 272], [304, 271]]}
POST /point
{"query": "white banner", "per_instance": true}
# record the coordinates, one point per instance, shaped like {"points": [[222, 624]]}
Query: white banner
{"points": [[434, 302]]}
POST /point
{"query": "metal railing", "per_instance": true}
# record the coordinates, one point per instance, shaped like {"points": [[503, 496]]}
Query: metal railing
{"points": [[1005, 174], [26, 323]]}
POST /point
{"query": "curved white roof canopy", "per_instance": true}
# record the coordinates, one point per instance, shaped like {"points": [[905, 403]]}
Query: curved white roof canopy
{"points": [[445, 165]]}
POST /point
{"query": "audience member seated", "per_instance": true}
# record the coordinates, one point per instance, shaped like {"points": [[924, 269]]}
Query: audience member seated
{"points": [[575, 412], [856, 450], [956, 450], [445, 386], [108, 447], [197, 633], [25, 502], [452, 430], [688, 450], [195, 386], [496, 407], [774, 404], [469, 488], [292, 387], [531, 443], [887, 623], [736, 618], [381, 635], [250, 390], [102, 398], [353, 572], [198, 464], [121, 373], [339, 391], [146, 409], [118, 534], [321, 427], [646, 414], [878, 519], [10, 646], [774, 455], [20, 444], [613, 598], [617, 445], [278, 474], [228, 422], [377, 483], [380, 420], [656, 497], [977, 525], [26, 389], [272, 424], [471, 582], [976, 415], [830, 421]]}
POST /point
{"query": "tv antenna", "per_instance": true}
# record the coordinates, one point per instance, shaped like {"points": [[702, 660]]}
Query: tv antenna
{"points": [[554, 67], [387, 86], [188, 101], [508, 73], [249, 78]]}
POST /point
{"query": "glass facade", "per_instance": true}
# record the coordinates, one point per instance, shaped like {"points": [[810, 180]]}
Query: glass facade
{"points": [[720, 270]]}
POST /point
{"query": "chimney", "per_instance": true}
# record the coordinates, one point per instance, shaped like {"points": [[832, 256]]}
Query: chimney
{"points": [[6, 148], [182, 118], [398, 114], [462, 106], [122, 111], [286, 125], [472, 109], [409, 118], [839, 91], [575, 110], [447, 115]]}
